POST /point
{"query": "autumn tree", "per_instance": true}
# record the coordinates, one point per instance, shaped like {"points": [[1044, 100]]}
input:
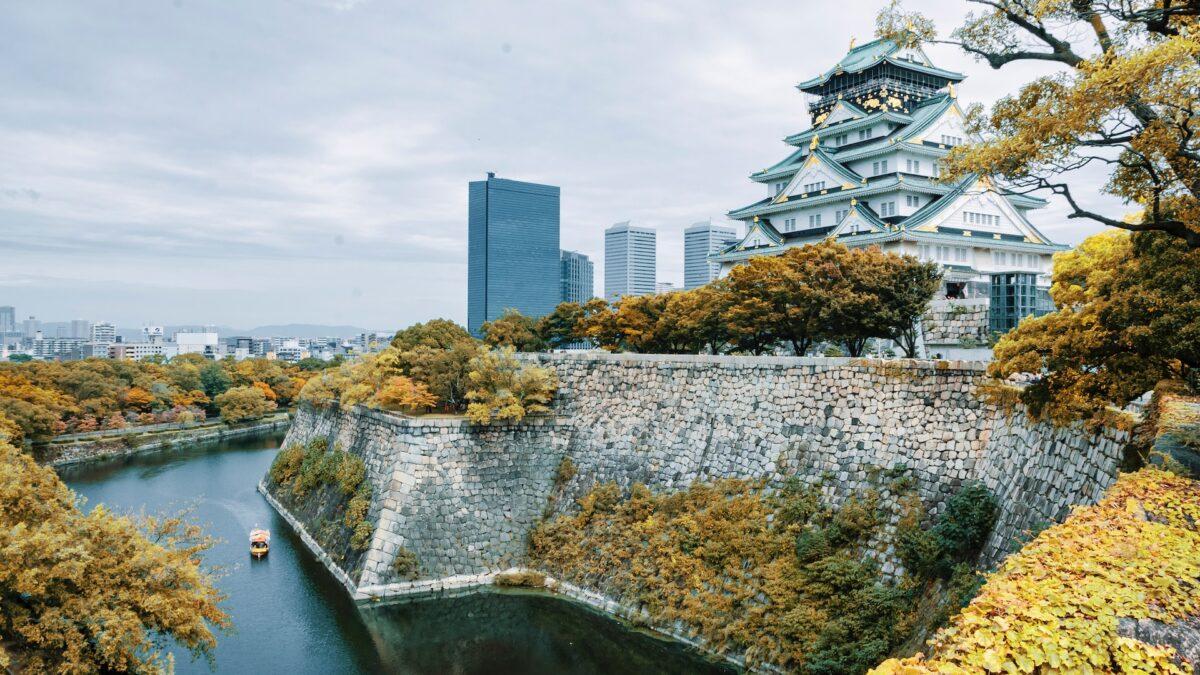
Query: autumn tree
{"points": [[1128, 317], [243, 403], [1124, 95], [513, 329], [435, 334], [598, 324], [505, 390], [403, 393], [95, 592], [560, 327], [697, 318]]}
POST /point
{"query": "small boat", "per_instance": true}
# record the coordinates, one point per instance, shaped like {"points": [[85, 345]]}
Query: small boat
{"points": [[260, 542]]}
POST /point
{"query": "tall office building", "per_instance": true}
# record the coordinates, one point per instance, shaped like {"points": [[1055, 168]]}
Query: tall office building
{"points": [[578, 274], [512, 249], [8, 320], [31, 327], [699, 241], [104, 333], [629, 260], [80, 328]]}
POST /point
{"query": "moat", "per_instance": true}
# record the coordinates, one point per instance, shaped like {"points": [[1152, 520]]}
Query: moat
{"points": [[291, 616]]}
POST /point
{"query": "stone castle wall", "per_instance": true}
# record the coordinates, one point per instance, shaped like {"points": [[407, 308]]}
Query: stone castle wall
{"points": [[956, 322], [464, 498]]}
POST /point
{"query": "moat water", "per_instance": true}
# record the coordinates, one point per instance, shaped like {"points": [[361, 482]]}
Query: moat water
{"points": [[291, 616]]}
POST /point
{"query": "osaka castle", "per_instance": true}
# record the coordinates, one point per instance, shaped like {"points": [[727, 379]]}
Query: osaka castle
{"points": [[865, 173]]}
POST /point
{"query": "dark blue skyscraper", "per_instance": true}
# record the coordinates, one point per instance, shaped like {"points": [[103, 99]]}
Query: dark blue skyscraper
{"points": [[512, 249]]}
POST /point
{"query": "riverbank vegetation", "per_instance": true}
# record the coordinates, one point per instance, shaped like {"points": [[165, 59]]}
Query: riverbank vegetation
{"points": [[438, 366], [96, 591], [1056, 605], [45, 398], [775, 575], [807, 296], [328, 489]]}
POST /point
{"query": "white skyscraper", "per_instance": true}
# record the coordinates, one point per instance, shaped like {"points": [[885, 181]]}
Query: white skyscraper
{"points": [[629, 260], [699, 241]]}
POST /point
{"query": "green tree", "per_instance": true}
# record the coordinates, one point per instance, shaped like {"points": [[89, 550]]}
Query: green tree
{"points": [[560, 327], [214, 380], [95, 592], [243, 403], [20, 358]]}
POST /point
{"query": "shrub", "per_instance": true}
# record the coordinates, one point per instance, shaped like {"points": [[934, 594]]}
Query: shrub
{"points": [[362, 535], [957, 536], [287, 464], [566, 471], [406, 565], [723, 558]]}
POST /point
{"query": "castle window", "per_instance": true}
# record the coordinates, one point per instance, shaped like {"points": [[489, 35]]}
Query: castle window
{"points": [[951, 140], [864, 134], [789, 225], [879, 168], [779, 187], [813, 187], [912, 165], [912, 200], [840, 139], [814, 220], [984, 219], [887, 209], [841, 213]]}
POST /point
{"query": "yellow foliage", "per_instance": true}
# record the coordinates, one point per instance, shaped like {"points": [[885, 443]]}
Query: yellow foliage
{"points": [[503, 389], [1053, 607], [95, 592]]}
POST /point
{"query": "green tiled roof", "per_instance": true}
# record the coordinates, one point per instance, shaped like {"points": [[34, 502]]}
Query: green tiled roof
{"points": [[866, 55]]}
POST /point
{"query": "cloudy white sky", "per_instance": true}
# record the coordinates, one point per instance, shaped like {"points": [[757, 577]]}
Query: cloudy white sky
{"points": [[246, 163]]}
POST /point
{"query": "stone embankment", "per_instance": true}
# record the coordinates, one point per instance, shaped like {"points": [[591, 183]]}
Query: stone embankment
{"points": [[463, 499], [135, 440]]}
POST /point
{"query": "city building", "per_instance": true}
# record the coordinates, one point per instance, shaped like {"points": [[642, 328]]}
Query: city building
{"points": [[699, 242], [207, 344], [152, 334], [8, 320], [136, 351], [56, 348], [629, 261], [512, 249], [578, 278], [663, 287], [103, 333], [866, 174], [31, 327], [80, 328]]}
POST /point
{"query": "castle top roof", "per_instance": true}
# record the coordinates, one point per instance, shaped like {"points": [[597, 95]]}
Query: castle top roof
{"points": [[873, 53]]}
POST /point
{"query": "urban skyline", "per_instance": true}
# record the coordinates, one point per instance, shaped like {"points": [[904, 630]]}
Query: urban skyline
{"points": [[377, 163]]}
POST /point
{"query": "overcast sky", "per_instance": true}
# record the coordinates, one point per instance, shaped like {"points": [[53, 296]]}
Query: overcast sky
{"points": [[247, 163]]}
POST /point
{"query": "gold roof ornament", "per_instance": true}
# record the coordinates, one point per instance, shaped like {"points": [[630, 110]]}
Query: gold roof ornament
{"points": [[816, 139], [756, 219], [853, 201], [852, 41], [953, 93]]}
